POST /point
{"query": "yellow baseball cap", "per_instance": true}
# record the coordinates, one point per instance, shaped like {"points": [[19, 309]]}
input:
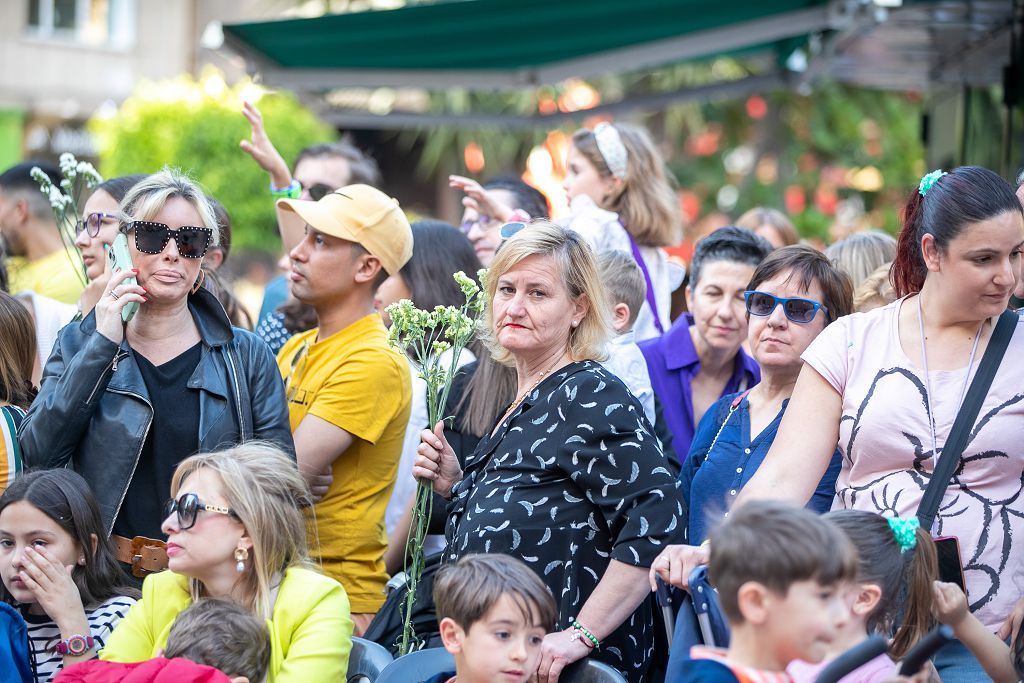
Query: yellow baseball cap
{"points": [[362, 214]]}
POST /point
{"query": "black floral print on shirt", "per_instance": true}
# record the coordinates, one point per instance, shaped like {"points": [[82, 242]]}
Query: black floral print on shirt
{"points": [[571, 480]]}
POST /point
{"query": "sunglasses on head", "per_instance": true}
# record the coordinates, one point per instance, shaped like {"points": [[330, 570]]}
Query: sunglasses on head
{"points": [[188, 506], [93, 222], [797, 310], [510, 229], [317, 191], [151, 238]]}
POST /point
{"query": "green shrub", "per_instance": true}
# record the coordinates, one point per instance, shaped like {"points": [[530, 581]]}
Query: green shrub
{"points": [[196, 125]]}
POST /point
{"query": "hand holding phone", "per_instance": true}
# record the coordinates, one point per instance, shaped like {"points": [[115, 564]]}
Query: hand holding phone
{"points": [[120, 259]]}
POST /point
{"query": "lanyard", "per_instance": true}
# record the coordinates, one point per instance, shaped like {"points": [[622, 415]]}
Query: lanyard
{"points": [[651, 301], [928, 381]]}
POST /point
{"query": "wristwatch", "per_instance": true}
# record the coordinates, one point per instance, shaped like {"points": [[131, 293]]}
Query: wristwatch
{"points": [[75, 645]]}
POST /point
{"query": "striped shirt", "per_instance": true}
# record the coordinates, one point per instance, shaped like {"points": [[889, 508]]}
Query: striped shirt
{"points": [[43, 634], [10, 451]]}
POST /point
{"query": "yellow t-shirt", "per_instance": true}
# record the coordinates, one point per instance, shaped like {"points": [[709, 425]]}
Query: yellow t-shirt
{"points": [[58, 276], [356, 381]]}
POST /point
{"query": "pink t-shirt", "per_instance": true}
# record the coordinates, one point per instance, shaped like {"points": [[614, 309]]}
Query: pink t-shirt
{"points": [[887, 448], [879, 669]]}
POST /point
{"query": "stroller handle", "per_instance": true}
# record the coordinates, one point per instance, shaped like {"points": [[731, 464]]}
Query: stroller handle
{"points": [[852, 659], [925, 648]]}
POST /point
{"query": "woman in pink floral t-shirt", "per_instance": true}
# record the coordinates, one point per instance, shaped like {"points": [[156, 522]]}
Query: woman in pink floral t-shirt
{"points": [[865, 388]]}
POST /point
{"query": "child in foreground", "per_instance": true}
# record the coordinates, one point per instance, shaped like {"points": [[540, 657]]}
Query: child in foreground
{"points": [[212, 641], [58, 569], [895, 574], [778, 570], [494, 613]]}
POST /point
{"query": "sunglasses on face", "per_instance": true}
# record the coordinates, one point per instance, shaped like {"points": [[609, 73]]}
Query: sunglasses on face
{"points": [[151, 238], [317, 191], [93, 222], [481, 220], [797, 310], [188, 506]]}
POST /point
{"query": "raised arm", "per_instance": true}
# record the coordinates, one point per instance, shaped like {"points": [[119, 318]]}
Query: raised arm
{"points": [[804, 445], [264, 153]]}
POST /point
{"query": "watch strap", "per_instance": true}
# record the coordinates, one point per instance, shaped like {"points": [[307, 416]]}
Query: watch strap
{"points": [[75, 645]]}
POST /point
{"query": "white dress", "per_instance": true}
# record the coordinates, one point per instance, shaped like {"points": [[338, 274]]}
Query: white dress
{"points": [[603, 231]]}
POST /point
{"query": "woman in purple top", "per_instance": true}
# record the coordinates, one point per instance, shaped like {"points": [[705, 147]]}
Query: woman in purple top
{"points": [[699, 359]]}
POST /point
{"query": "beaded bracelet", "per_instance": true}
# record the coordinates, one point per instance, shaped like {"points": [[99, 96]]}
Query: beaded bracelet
{"points": [[580, 628], [293, 191]]}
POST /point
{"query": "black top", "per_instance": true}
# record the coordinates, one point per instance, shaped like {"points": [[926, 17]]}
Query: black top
{"points": [[571, 480], [172, 437]]}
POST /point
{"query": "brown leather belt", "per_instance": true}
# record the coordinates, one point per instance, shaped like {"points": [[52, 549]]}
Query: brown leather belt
{"points": [[145, 555]]}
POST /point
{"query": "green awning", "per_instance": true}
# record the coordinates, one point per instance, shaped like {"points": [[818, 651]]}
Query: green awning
{"points": [[516, 43]]}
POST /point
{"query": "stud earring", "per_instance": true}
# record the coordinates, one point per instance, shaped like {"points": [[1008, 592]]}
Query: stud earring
{"points": [[241, 555]]}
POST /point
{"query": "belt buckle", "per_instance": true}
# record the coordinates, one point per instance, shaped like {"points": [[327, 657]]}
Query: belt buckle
{"points": [[138, 544]]}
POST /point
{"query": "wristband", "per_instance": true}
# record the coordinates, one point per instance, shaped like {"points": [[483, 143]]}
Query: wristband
{"points": [[75, 646], [293, 191], [518, 215], [580, 629]]}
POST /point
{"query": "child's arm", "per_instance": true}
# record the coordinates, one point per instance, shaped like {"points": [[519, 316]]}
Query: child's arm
{"points": [[992, 653], [56, 593]]}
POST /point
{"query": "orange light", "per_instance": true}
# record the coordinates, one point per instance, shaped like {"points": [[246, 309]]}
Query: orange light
{"points": [[473, 156], [757, 108]]}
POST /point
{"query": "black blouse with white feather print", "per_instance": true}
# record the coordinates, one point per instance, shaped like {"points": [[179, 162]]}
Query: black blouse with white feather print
{"points": [[571, 480]]}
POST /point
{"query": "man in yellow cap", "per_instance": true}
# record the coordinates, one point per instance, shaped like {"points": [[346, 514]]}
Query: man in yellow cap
{"points": [[348, 391]]}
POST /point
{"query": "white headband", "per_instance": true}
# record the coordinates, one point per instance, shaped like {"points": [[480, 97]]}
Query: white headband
{"points": [[609, 144]]}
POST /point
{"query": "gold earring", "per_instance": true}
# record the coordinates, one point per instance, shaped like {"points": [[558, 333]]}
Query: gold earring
{"points": [[199, 281], [241, 555]]}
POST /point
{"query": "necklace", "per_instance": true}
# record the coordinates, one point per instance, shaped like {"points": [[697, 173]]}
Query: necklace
{"points": [[928, 381], [522, 397]]}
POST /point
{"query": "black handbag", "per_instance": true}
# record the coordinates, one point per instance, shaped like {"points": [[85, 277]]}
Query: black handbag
{"points": [[386, 627], [960, 432]]}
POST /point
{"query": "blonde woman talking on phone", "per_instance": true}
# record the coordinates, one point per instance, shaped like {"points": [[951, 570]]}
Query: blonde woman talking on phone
{"points": [[124, 403]]}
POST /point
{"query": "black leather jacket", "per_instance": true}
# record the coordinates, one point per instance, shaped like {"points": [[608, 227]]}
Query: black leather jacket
{"points": [[93, 410]]}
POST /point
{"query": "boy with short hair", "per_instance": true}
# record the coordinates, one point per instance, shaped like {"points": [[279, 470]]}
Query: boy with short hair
{"points": [[212, 641], [778, 571], [493, 612], [627, 291]]}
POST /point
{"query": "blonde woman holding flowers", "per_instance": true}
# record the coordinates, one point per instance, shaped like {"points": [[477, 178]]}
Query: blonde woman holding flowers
{"points": [[570, 479]]}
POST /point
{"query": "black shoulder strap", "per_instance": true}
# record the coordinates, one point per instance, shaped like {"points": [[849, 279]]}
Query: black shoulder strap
{"points": [[960, 432]]}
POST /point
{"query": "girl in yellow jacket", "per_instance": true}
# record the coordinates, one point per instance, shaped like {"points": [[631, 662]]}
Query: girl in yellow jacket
{"points": [[236, 531]]}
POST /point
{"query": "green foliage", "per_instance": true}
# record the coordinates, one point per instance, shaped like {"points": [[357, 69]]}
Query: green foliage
{"points": [[196, 126]]}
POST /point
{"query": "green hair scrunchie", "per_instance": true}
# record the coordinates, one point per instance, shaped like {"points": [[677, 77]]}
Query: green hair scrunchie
{"points": [[905, 531], [929, 180]]}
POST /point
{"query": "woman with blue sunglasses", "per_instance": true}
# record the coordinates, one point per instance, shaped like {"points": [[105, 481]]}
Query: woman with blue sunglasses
{"points": [[793, 295]]}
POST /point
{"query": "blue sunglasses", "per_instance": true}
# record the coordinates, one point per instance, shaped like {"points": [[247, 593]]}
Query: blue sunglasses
{"points": [[797, 310]]}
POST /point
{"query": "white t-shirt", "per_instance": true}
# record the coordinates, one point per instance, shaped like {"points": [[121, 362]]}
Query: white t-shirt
{"points": [[886, 442], [603, 231], [405, 483], [626, 361]]}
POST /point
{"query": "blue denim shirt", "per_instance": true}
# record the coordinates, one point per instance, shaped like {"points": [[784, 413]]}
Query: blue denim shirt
{"points": [[672, 363], [711, 480]]}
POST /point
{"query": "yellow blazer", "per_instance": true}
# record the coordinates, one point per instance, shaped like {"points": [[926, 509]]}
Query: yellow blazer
{"points": [[310, 630]]}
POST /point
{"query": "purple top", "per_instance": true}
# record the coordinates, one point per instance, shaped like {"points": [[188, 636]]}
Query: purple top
{"points": [[672, 362]]}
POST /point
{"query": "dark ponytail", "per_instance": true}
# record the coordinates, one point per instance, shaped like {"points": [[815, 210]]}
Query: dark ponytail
{"points": [[904, 610], [965, 195]]}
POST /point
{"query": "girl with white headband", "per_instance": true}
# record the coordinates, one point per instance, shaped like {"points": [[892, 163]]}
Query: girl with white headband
{"points": [[620, 199]]}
